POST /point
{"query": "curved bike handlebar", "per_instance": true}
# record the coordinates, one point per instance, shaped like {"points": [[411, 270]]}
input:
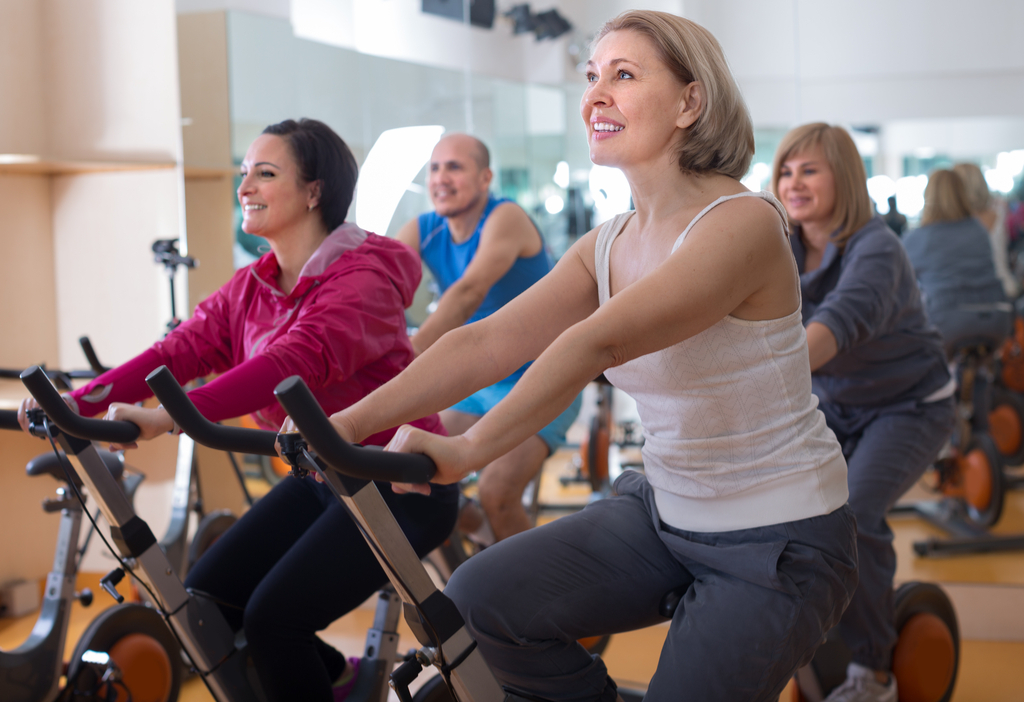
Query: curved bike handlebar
{"points": [[67, 421], [9, 420], [355, 461], [202, 430]]}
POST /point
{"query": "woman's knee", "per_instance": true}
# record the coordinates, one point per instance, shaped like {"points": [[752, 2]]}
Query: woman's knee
{"points": [[483, 600]]}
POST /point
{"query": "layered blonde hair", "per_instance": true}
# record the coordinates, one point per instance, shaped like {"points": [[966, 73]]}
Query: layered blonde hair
{"points": [[945, 198], [852, 204], [722, 138], [978, 196]]}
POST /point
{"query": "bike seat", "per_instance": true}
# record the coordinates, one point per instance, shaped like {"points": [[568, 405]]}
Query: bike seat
{"points": [[670, 600], [50, 464]]}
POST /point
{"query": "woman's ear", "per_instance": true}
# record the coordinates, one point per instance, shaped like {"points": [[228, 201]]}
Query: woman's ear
{"points": [[691, 104], [313, 196]]}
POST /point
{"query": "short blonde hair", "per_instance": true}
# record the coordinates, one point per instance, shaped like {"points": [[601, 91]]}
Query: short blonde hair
{"points": [[852, 205], [945, 198], [722, 138], [978, 196]]}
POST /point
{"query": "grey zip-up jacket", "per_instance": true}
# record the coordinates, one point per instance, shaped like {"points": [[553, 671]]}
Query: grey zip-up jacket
{"points": [[867, 295]]}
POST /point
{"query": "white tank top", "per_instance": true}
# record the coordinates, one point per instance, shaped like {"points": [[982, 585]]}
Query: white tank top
{"points": [[733, 436]]}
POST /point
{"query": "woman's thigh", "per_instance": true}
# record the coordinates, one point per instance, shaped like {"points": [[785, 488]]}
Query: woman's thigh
{"points": [[599, 571], [892, 453], [236, 564]]}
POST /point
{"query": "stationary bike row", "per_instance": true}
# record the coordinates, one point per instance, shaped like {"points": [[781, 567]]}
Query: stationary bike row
{"points": [[215, 650], [971, 476]]}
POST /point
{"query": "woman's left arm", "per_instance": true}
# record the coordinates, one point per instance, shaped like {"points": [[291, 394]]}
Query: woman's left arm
{"points": [[864, 298]]}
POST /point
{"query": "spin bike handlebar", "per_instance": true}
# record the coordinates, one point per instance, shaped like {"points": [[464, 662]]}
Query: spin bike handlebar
{"points": [[65, 418], [9, 420], [202, 430], [364, 463]]}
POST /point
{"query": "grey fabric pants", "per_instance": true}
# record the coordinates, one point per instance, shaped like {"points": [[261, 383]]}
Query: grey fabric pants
{"points": [[757, 601], [887, 449]]}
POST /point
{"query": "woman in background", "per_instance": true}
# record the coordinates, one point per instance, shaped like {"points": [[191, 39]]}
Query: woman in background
{"points": [[991, 212], [952, 258], [878, 371]]}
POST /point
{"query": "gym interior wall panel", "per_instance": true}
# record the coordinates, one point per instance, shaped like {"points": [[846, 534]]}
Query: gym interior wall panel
{"points": [[22, 98], [209, 214], [108, 285], [26, 551], [28, 321], [205, 110], [220, 486], [112, 80]]}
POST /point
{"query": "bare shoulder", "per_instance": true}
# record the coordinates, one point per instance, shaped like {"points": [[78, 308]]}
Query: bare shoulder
{"points": [[509, 223], [749, 212], [509, 214], [583, 251], [744, 219]]}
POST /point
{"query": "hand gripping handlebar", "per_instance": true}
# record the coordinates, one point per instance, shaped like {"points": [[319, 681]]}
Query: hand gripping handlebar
{"points": [[365, 463], [202, 430], [65, 418]]}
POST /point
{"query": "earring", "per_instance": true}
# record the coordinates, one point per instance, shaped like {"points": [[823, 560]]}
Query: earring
{"points": [[310, 208]]}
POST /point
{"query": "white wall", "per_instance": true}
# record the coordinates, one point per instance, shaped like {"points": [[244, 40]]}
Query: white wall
{"points": [[871, 61]]}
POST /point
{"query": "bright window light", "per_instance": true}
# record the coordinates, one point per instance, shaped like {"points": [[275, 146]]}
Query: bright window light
{"points": [[562, 174], [395, 159], [1011, 162], [554, 204], [881, 188], [611, 192], [999, 180], [910, 194]]}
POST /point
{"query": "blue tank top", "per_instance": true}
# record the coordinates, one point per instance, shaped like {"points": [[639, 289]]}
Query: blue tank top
{"points": [[448, 260]]}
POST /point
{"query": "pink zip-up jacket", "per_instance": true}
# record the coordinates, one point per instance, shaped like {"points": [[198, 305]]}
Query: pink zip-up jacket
{"points": [[342, 329]]}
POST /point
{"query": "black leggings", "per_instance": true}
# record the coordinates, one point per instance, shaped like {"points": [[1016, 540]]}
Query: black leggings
{"points": [[293, 564]]}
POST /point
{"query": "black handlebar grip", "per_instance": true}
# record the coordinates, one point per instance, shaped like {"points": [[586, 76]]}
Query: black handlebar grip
{"points": [[9, 420], [67, 421], [202, 430], [354, 461]]}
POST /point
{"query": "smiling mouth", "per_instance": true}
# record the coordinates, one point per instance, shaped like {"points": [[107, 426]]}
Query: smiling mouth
{"points": [[606, 127], [249, 208]]}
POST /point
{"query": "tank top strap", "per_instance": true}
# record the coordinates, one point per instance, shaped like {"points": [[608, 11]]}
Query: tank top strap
{"points": [[602, 253], [763, 194]]}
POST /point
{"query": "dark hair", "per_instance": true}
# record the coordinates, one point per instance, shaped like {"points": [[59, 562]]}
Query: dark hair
{"points": [[322, 155]]}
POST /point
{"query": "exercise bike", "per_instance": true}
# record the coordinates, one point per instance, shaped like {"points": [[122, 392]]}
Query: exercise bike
{"points": [[350, 471], [138, 652], [970, 476], [196, 623]]}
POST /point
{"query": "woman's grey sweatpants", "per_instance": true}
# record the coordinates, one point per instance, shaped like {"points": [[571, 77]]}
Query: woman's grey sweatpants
{"points": [[887, 449], [757, 601]]}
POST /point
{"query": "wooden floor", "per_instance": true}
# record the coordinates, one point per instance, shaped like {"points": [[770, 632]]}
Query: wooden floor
{"points": [[988, 591]]}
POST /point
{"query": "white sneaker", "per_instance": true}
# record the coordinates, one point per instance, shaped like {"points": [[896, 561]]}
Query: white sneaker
{"points": [[861, 686]]}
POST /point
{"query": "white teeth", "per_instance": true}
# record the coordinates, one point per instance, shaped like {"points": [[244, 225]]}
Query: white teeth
{"points": [[254, 207], [605, 127]]}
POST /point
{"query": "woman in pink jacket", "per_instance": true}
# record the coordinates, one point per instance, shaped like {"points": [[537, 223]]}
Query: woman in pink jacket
{"points": [[328, 304]]}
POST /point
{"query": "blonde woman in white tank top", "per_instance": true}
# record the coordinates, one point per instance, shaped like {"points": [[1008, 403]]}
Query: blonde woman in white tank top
{"points": [[745, 507]]}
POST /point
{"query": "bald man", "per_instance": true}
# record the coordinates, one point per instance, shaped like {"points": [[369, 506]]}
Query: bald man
{"points": [[482, 251]]}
